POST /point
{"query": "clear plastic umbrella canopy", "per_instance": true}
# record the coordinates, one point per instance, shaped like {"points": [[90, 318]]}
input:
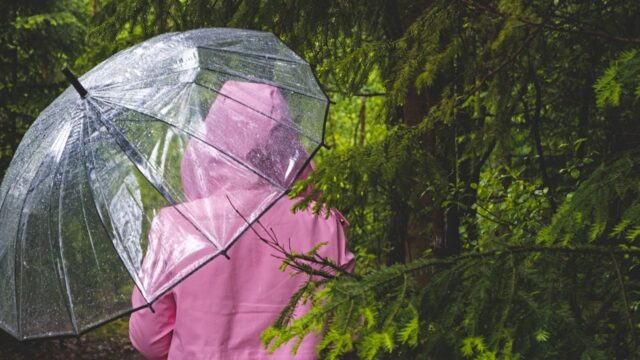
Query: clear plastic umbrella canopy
{"points": [[192, 135]]}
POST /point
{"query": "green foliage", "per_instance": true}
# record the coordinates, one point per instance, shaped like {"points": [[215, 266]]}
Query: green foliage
{"points": [[493, 316], [620, 79], [511, 214], [484, 152], [537, 304], [602, 207]]}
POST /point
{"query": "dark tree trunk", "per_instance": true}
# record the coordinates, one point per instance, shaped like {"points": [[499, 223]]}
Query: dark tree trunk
{"points": [[398, 230], [409, 228]]}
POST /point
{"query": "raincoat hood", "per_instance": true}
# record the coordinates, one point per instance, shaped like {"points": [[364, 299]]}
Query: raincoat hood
{"points": [[269, 143]]}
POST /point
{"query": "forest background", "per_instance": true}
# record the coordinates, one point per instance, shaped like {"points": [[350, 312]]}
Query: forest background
{"points": [[486, 154]]}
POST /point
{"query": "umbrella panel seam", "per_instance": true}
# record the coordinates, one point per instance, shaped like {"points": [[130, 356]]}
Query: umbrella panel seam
{"points": [[60, 246]]}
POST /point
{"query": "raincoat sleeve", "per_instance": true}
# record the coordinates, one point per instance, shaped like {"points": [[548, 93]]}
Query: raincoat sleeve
{"points": [[151, 332]]}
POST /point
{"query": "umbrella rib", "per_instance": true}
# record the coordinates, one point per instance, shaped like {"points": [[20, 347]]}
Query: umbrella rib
{"points": [[191, 134], [46, 113], [18, 262], [28, 141], [60, 246], [86, 225], [123, 56], [100, 93], [95, 201], [125, 82], [122, 142], [93, 195]]}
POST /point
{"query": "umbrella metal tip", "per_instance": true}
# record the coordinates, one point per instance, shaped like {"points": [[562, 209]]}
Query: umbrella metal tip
{"points": [[74, 82]]}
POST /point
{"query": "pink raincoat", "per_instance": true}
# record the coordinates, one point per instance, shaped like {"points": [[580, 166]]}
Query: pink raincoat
{"points": [[220, 311]]}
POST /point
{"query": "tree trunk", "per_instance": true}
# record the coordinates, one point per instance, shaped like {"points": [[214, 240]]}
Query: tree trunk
{"points": [[413, 233]]}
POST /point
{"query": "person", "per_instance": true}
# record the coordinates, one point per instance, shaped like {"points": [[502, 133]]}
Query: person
{"points": [[220, 310]]}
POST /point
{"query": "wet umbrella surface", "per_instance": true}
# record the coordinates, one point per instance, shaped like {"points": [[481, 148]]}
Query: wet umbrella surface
{"points": [[201, 125]]}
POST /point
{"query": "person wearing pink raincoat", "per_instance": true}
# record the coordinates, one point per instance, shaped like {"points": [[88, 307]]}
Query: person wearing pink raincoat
{"points": [[220, 310]]}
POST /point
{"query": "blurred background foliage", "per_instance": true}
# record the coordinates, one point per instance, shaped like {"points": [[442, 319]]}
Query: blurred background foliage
{"points": [[485, 153]]}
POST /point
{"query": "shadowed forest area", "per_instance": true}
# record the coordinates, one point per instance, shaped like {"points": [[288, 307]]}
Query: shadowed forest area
{"points": [[486, 154], [108, 342]]}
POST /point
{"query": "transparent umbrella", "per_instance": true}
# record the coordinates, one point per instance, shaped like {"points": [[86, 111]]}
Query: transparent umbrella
{"points": [[211, 126]]}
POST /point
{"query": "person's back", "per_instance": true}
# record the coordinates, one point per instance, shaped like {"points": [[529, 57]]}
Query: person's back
{"points": [[220, 310]]}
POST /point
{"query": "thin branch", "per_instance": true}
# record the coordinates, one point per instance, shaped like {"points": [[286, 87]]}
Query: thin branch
{"points": [[302, 262], [484, 158], [493, 217]]}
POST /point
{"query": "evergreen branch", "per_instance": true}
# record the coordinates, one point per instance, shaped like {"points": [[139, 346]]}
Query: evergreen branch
{"points": [[395, 307], [395, 272], [582, 249], [348, 319], [399, 270], [299, 261], [392, 274]]}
